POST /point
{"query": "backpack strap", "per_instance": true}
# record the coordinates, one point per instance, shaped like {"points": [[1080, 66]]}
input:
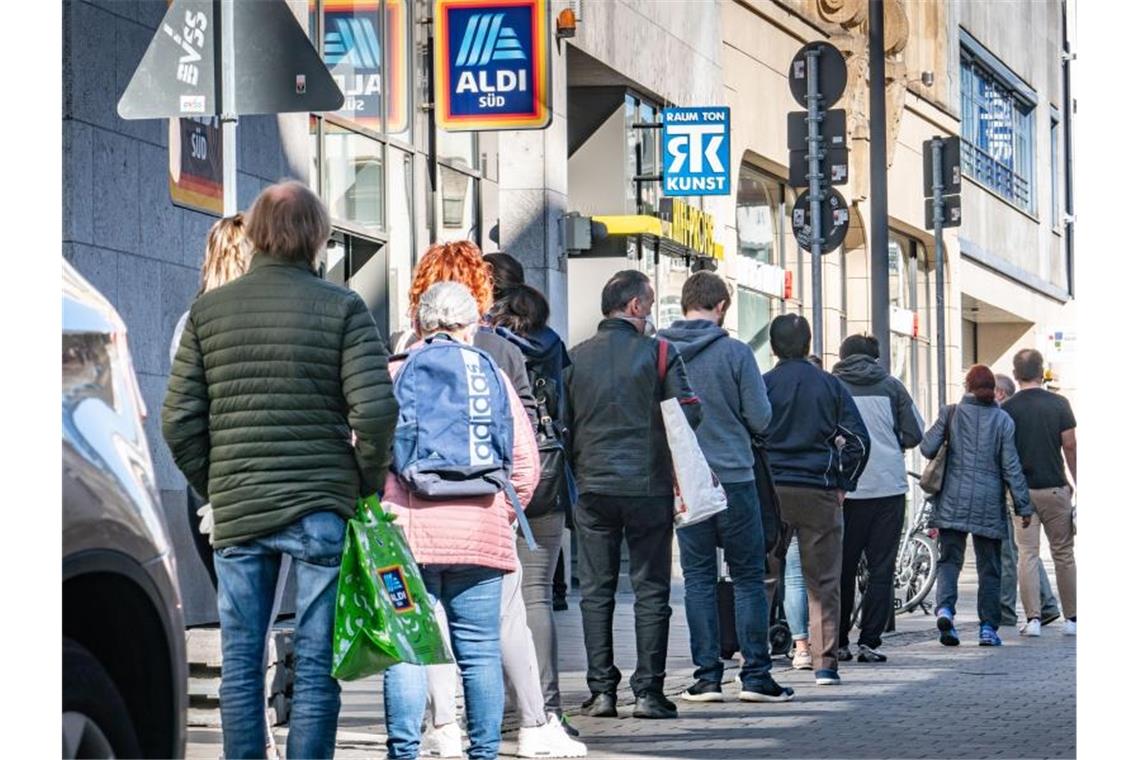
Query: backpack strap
{"points": [[524, 524], [662, 360]]}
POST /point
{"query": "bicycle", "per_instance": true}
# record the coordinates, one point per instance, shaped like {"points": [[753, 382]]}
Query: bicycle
{"points": [[914, 565]]}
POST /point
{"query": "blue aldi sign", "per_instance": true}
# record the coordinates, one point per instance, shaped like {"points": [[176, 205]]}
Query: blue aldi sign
{"points": [[492, 64], [696, 151]]}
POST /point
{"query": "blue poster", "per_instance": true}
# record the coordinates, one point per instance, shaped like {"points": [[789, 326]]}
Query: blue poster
{"points": [[695, 155]]}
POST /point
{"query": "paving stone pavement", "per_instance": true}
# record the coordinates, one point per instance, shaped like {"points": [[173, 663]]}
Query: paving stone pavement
{"points": [[1016, 701]]}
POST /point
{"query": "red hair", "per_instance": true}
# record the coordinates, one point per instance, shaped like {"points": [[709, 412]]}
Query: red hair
{"points": [[461, 262], [980, 381]]}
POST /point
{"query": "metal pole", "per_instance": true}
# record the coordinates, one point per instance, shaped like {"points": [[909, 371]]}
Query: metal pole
{"points": [[815, 197], [228, 118], [939, 284], [878, 261]]}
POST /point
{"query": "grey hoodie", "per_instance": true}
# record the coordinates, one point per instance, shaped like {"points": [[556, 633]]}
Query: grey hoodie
{"points": [[891, 418], [734, 401]]}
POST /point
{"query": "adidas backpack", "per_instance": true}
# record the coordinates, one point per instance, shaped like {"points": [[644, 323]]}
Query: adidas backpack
{"points": [[455, 433]]}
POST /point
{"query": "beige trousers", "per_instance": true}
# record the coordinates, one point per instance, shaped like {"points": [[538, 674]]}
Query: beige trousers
{"points": [[1054, 513]]}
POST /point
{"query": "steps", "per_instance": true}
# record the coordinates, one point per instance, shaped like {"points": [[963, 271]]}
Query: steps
{"points": [[204, 654]]}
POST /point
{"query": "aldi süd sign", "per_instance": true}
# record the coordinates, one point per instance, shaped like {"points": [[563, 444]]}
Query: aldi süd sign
{"points": [[696, 151], [492, 64]]}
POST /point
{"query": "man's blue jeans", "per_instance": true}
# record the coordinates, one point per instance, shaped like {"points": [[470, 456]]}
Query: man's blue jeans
{"points": [[247, 579], [471, 597], [740, 531]]}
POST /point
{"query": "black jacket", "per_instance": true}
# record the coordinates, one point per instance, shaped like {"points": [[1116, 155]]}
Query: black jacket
{"points": [[614, 397]]}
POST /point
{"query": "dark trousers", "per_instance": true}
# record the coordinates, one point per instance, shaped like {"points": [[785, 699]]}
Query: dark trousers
{"points": [[987, 555], [870, 526], [646, 524], [740, 531]]}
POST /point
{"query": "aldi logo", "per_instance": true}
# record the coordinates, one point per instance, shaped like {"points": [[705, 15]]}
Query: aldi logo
{"points": [[492, 64]]}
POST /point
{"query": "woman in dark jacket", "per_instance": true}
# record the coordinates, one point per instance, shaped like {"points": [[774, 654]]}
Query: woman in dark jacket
{"points": [[981, 463]]}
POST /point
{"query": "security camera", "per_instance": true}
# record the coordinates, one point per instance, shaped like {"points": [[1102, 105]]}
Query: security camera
{"points": [[928, 78]]}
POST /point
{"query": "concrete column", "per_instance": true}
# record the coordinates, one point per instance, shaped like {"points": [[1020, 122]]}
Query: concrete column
{"points": [[532, 198]]}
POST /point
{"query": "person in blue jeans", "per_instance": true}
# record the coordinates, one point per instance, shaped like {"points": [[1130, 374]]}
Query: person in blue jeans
{"points": [[279, 411], [796, 606], [724, 374]]}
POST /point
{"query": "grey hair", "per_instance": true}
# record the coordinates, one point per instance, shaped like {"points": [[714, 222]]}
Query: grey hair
{"points": [[446, 306], [1004, 383]]}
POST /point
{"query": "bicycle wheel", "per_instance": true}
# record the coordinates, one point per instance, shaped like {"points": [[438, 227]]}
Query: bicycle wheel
{"points": [[914, 576]]}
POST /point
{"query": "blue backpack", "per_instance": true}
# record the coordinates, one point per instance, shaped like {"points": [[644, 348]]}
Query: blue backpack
{"points": [[455, 434]]}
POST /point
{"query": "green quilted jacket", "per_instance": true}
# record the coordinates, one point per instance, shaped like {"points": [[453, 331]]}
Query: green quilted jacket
{"points": [[275, 372]]}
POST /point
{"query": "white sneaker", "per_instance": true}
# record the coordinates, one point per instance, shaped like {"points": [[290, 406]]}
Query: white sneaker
{"points": [[548, 741], [1032, 628], [1070, 628], [802, 660], [442, 741]]}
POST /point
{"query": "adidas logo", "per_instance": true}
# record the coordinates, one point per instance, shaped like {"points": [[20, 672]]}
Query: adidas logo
{"points": [[486, 39]]}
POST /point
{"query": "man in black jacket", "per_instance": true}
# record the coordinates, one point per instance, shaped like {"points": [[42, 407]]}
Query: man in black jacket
{"points": [[818, 447], [624, 472]]}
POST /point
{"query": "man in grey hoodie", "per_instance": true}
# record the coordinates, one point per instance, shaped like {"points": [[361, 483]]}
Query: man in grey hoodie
{"points": [[873, 513], [724, 374]]}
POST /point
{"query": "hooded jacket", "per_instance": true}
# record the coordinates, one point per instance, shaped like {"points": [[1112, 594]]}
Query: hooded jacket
{"points": [[892, 421], [982, 461], [734, 401], [810, 410]]}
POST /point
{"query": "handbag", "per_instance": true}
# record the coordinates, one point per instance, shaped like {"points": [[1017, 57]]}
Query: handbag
{"points": [[935, 471], [383, 613], [554, 489]]}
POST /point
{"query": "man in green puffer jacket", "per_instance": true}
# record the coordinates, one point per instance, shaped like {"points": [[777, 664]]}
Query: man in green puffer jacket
{"points": [[275, 373]]}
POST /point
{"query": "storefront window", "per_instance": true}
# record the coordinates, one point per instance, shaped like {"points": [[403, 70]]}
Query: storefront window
{"points": [[353, 177], [401, 237], [643, 154], [758, 211], [455, 211]]}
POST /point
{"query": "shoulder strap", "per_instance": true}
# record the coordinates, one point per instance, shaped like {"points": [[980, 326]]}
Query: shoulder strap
{"points": [[662, 359], [950, 418]]}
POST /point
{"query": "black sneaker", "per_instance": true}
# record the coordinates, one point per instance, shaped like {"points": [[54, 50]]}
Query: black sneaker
{"points": [[703, 691], [601, 705], [868, 654], [560, 604], [843, 654], [766, 690]]}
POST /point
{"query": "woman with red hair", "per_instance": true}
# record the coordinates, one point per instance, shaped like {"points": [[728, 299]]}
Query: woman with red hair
{"points": [[981, 463]]}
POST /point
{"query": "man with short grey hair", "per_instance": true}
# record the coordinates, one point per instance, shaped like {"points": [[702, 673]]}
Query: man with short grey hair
{"points": [[275, 373], [1004, 389]]}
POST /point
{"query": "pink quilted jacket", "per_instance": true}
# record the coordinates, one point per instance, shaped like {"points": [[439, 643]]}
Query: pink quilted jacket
{"points": [[474, 531]]}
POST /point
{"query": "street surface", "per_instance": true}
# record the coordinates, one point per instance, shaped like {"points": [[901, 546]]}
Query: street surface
{"points": [[1016, 701]]}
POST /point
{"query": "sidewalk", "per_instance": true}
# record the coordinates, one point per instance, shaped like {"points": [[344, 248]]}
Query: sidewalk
{"points": [[1018, 700]]}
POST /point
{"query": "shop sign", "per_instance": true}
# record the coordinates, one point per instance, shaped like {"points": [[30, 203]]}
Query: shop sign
{"points": [[768, 279], [904, 321], [696, 151], [1060, 344], [492, 64], [195, 169], [357, 61], [690, 226]]}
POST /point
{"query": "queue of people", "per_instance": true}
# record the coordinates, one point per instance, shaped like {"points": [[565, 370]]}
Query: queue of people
{"points": [[281, 410]]}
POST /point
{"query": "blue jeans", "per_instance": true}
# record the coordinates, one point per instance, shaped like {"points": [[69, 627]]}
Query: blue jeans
{"points": [[471, 596], [740, 531], [795, 593], [247, 578]]}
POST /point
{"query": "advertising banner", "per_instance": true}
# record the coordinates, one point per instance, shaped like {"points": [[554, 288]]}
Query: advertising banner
{"points": [[492, 64], [195, 171]]}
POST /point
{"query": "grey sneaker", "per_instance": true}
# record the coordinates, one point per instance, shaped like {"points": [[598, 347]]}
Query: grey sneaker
{"points": [[843, 654], [867, 654]]}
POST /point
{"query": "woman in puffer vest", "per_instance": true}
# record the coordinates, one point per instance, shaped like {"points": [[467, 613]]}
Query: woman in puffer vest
{"points": [[464, 547]]}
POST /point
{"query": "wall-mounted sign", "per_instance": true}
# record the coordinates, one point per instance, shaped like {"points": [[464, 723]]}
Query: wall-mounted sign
{"points": [[690, 226], [195, 171], [768, 279], [360, 65], [904, 321], [696, 151], [492, 64]]}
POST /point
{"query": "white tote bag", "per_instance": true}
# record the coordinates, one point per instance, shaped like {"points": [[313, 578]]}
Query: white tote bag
{"points": [[699, 494]]}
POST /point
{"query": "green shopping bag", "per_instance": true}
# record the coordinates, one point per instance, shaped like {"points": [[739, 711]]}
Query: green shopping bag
{"points": [[383, 615]]}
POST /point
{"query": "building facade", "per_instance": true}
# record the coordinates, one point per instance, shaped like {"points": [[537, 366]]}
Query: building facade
{"points": [[992, 73]]}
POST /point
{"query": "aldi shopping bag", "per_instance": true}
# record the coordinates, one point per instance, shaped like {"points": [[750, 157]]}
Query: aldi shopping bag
{"points": [[383, 615], [699, 492]]}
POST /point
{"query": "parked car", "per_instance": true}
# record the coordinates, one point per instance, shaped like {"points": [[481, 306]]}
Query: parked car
{"points": [[124, 647]]}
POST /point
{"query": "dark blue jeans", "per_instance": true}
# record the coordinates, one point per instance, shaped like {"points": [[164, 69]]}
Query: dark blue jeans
{"points": [[471, 597], [740, 531], [247, 579], [987, 556]]}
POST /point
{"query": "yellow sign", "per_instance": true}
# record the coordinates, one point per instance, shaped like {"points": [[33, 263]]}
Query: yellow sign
{"points": [[691, 227]]}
